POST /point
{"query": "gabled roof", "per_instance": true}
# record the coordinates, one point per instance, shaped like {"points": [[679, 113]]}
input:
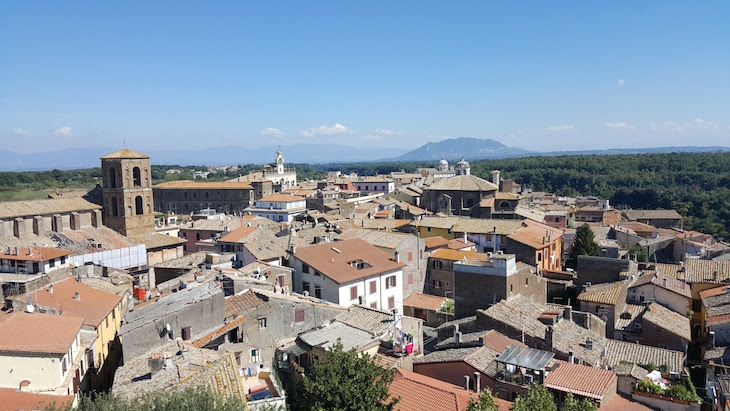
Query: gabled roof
{"points": [[664, 281], [536, 235], [486, 226], [606, 293], [38, 333], [459, 243], [202, 185], [124, 153], [634, 215], [34, 254], [237, 304], [367, 319], [237, 235], [337, 260], [12, 399], [499, 342], [219, 332], [281, 198], [697, 271], [582, 380], [435, 242], [10, 209], [669, 320], [622, 351], [458, 255]]}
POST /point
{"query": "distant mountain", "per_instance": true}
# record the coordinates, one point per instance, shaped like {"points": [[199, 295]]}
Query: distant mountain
{"points": [[298, 153], [467, 147]]}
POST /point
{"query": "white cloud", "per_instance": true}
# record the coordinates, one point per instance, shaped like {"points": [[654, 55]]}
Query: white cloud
{"points": [[621, 126], [64, 131], [699, 124], [22, 132], [272, 132], [566, 127], [335, 130], [383, 132], [621, 82]]}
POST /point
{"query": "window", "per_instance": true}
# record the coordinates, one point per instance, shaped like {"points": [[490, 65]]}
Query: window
{"points": [[299, 316], [390, 282], [114, 207], [391, 303], [262, 323], [254, 355], [510, 288], [136, 176], [353, 292], [113, 177], [527, 282], [197, 236], [107, 322], [138, 205], [63, 260], [305, 268], [63, 366], [428, 229], [374, 305], [305, 287], [373, 287], [185, 235], [317, 291], [410, 279], [436, 284], [436, 264], [696, 305], [410, 256], [114, 314]]}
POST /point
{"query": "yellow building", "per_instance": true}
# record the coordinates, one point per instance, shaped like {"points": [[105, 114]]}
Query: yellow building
{"points": [[435, 226], [102, 314]]}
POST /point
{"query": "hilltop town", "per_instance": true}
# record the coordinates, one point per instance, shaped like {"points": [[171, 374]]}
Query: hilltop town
{"points": [[457, 283]]}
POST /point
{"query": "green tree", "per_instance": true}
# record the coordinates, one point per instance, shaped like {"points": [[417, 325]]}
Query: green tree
{"points": [[191, 399], [344, 381], [573, 404], [485, 402], [639, 253], [537, 398], [583, 244]]}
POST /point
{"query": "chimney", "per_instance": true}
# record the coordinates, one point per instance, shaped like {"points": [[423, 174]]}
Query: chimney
{"points": [[571, 357], [477, 381], [568, 313], [665, 282], [495, 177], [466, 377], [77, 296], [549, 338], [456, 331], [712, 338], [397, 257], [50, 289], [30, 251]]}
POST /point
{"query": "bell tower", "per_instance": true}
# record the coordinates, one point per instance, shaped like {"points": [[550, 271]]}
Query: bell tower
{"points": [[127, 189]]}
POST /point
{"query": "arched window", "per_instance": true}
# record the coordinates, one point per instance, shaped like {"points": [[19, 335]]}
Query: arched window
{"points": [[113, 208], [137, 176], [129, 210], [138, 205], [113, 179], [149, 209]]}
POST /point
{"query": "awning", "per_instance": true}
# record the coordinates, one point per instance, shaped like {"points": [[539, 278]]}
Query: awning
{"points": [[295, 348], [531, 358]]}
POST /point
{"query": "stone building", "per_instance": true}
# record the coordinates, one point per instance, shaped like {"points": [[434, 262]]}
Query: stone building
{"points": [[459, 195], [127, 191], [186, 197]]}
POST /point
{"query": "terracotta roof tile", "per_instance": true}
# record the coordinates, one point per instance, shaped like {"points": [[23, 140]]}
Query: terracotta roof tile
{"points": [[334, 260], [619, 403], [34, 254], [12, 400], [281, 198], [236, 305], [664, 281], [457, 255], [124, 153], [459, 243], [435, 242], [499, 342], [534, 234], [421, 393], [220, 331], [606, 293], [203, 185], [38, 333], [10, 209], [93, 305], [424, 301], [669, 320], [697, 271], [622, 351], [237, 235], [713, 292], [580, 380]]}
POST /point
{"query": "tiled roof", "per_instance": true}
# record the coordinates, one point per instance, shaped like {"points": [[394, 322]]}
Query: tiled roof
{"points": [[718, 355], [280, 198], [237, 235], [447, 355], [580, 380], [458, 255], [459, 243], [385, 239], [156, 240], [236, 305], [634, 215], [669, 320], [619, 403], [499, 342], [535, 235], [697, 271], [632, 370], [664, 281], [627, 320], [484, 359], [622, 351], [367, 319], [333, 260], [606, 293], [421, 393], [124, 153], [716, 302], [38, 333], [10, 209], [12, 399], [713, 292], [435, 242], [424, 301], [220, 331], [93, 305], [436, 222], [34, 254], [463, 183], [350, 337], [486, 226], [203, 185]]}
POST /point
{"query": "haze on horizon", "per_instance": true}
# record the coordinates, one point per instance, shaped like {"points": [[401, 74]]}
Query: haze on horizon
{"points": [[536, 75]]}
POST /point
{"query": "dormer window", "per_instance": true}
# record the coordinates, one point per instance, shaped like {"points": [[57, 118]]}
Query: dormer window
{"points": [[359, 264]]}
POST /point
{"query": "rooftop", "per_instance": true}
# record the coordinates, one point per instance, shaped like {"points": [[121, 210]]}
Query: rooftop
{"points": [[669, 320], [696, 271], [486, 226], [634, 215], [526, 357], [424, 301], [582, 380], [11, 209], [12, 399], [536, 235], [93, 305], [34, 254], [627, 352], [38, 333], [606, 293], [664, 281], [124, 153], [384, 239], [281, 198], [327, 336], [237, 235], [463, 183], [203, 185], [458, 255], [337, 260], [367, 319], [436, 242]]}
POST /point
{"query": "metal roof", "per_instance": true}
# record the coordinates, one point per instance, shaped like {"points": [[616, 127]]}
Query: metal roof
{"points": [[531, 358]]}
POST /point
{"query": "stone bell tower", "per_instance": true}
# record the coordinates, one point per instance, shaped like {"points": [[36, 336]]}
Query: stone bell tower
{"points": [[127, 189]]}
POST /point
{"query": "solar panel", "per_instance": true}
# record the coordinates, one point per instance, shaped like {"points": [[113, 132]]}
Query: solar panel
{"points": [[531, 358]]}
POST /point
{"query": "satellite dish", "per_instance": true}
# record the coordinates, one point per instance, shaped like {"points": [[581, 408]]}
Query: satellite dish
{"points": [[29, 308]]}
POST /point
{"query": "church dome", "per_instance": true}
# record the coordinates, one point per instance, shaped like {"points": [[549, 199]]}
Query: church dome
{"points": [[443, 162], [463, 163]]}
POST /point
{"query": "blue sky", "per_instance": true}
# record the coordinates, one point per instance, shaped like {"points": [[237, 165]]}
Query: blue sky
{"points": [[538, 75]]}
